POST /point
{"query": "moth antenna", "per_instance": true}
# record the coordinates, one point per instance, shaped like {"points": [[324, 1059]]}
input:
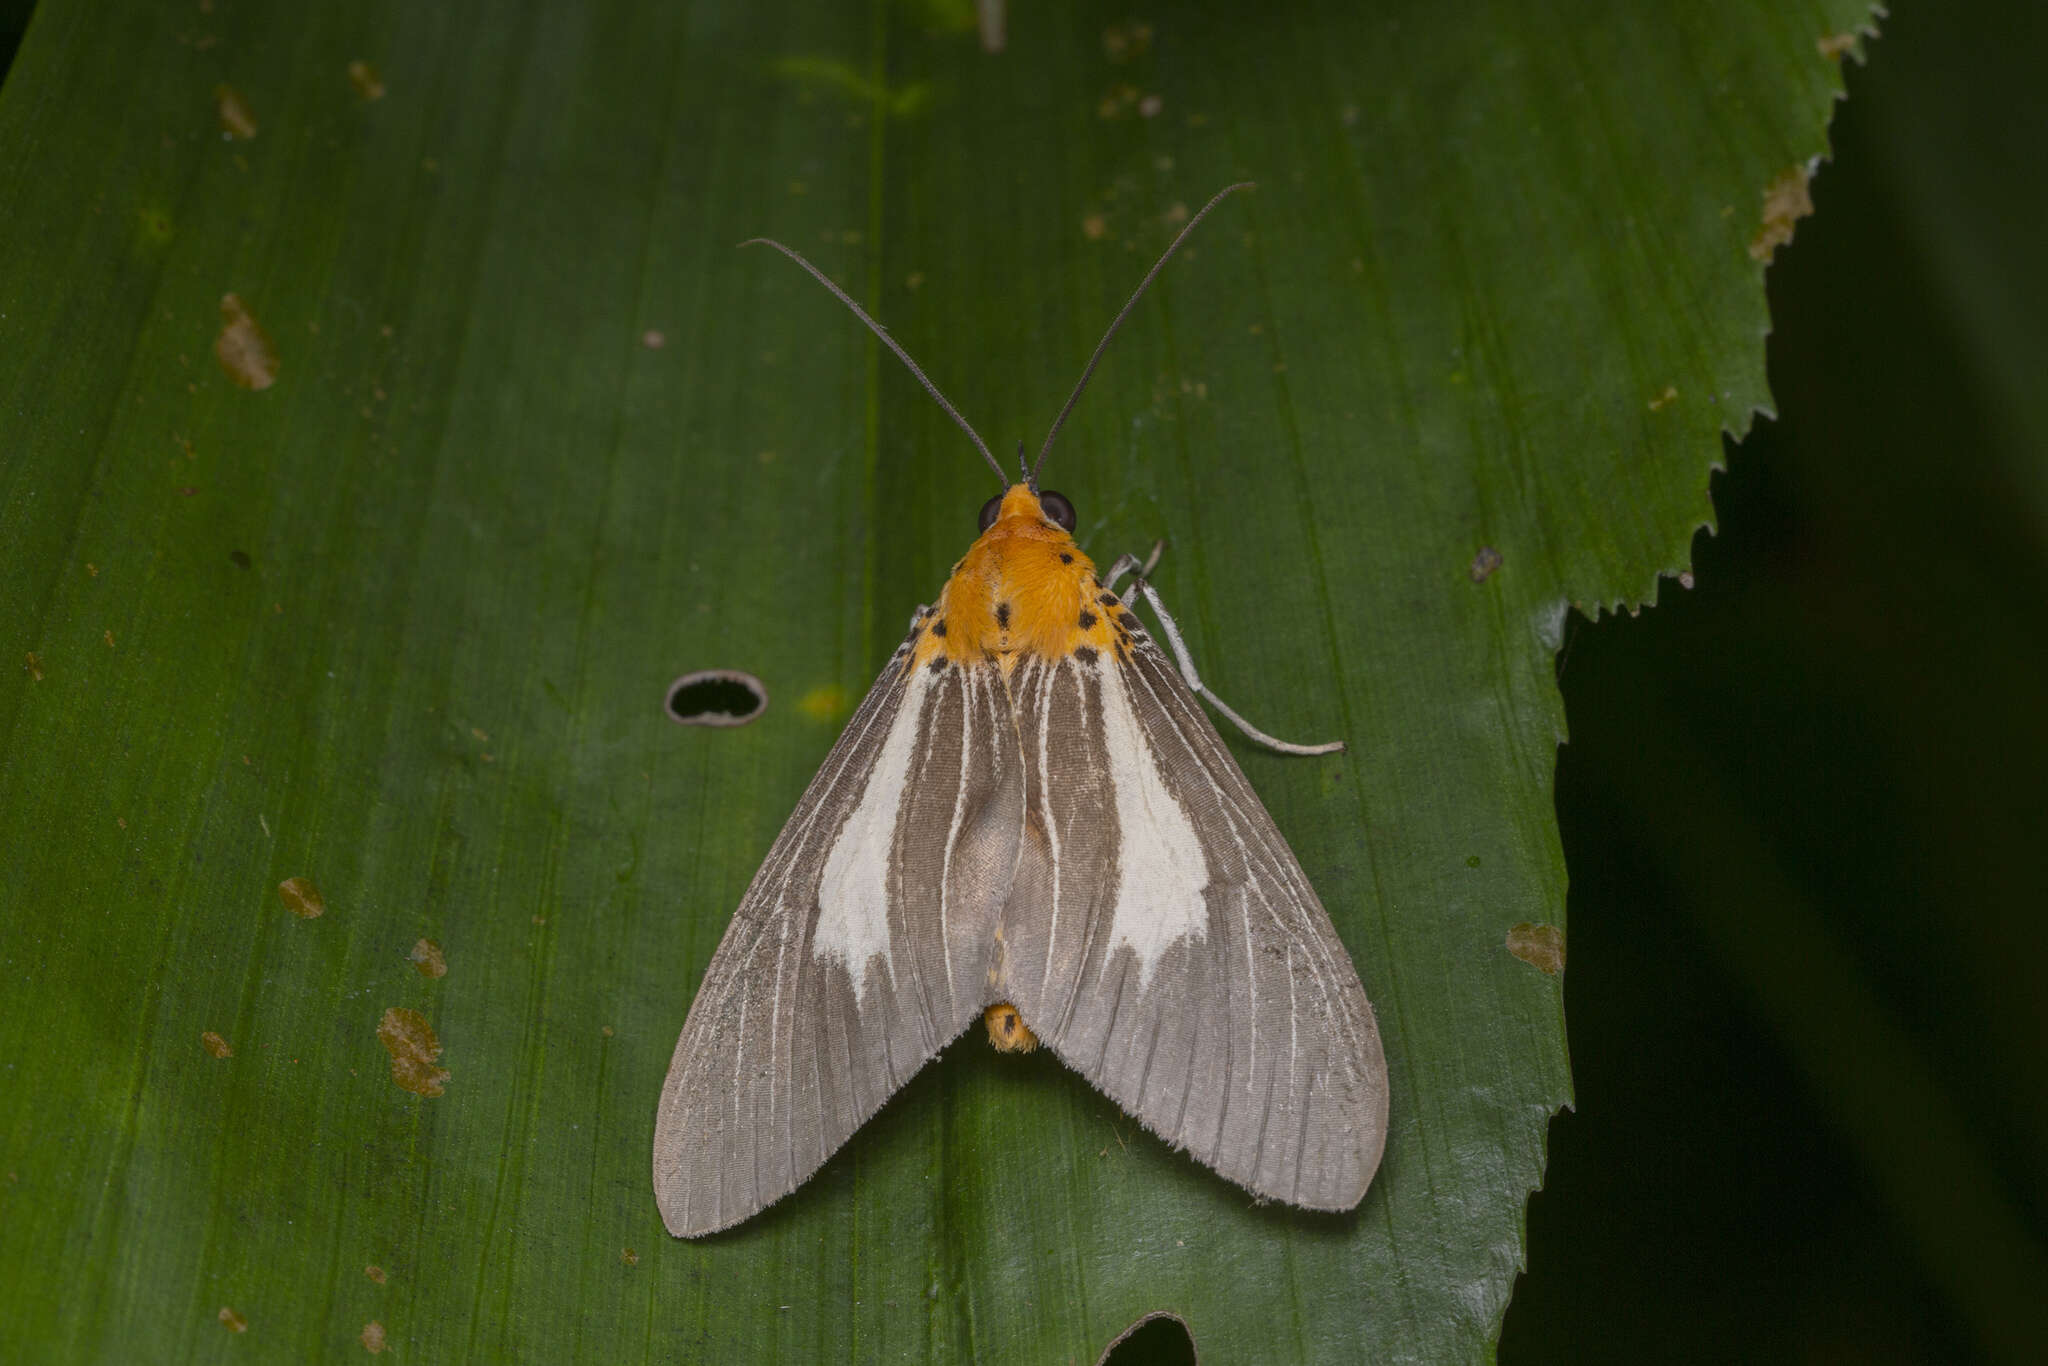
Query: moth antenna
{"points": [[1118, 321], [890, 342]]}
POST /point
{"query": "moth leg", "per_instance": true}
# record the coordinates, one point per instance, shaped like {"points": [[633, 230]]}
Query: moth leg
{"points": [[1142, 589], [1126, 563]]}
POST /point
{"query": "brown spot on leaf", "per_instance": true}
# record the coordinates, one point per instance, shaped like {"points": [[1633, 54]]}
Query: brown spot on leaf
{"points": [[373, 1337], [1484, 563], [1122, 42], [237, 120], [654, 339], [410, 1041], [1540, 946], [1835, 46], [1094, 227], [302, 898], [216, 1045], [242, 348], [629, 1257], [376, 1273], [34, 667], [1786, 201], [232, 1321], [365, 79], [426, 955]]}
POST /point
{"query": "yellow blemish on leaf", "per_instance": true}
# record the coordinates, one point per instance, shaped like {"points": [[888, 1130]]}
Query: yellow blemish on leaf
{"points": [[242, 348], [410, 1041], [236, 119], [1786, 201], [373, 1337], [232, 1321], [154, 224], [364, 78], [1007, 1030], [375, 1273], [829, 75], [1121, 100], [827, 703], [1095, 227], [302, 898], [426, 955], [108, 636], [216, 1045], [1835, 46], [34, 667], [1540, 946], [1670, 393], [629, 1256]]}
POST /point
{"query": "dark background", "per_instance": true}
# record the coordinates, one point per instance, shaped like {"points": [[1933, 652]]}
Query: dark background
{"points": [[1802, 804]]}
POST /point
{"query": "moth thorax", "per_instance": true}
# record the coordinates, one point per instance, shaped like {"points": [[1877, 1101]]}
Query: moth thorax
{"points": [[1007, 1030]]}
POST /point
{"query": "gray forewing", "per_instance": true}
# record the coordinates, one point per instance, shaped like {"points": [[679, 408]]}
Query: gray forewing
{"points": [[783, 1056], [1249, 1042]]}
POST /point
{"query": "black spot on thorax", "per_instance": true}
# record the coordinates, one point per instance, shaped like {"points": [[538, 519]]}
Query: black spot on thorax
{"points": [[1003, 615]]}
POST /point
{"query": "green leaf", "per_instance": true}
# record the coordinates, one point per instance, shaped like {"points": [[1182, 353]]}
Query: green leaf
{"points": [[537, 441]]}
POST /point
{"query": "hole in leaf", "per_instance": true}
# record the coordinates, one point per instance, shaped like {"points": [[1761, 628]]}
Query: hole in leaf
{"points": [[1158, 1339], [716, 697]]}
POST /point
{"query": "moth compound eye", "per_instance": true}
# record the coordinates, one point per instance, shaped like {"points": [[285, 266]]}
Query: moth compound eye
{"points": [[989, 511], [1059, 509]]}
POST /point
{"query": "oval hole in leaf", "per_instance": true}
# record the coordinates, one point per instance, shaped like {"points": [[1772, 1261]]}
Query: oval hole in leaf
{"points": [[1158, 1339], [716, 697]]}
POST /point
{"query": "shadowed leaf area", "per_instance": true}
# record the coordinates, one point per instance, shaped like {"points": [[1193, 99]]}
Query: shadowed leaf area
{"points": [[386, 422]]}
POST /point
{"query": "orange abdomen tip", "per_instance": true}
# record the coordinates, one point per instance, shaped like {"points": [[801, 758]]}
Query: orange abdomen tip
{"points": [[1007, 1030]]}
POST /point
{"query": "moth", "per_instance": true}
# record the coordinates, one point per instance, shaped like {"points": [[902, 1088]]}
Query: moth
{"points": [[1031, 821]]}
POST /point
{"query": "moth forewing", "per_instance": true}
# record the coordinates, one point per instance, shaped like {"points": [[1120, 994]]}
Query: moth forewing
{"points": [[1202, 988]]}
